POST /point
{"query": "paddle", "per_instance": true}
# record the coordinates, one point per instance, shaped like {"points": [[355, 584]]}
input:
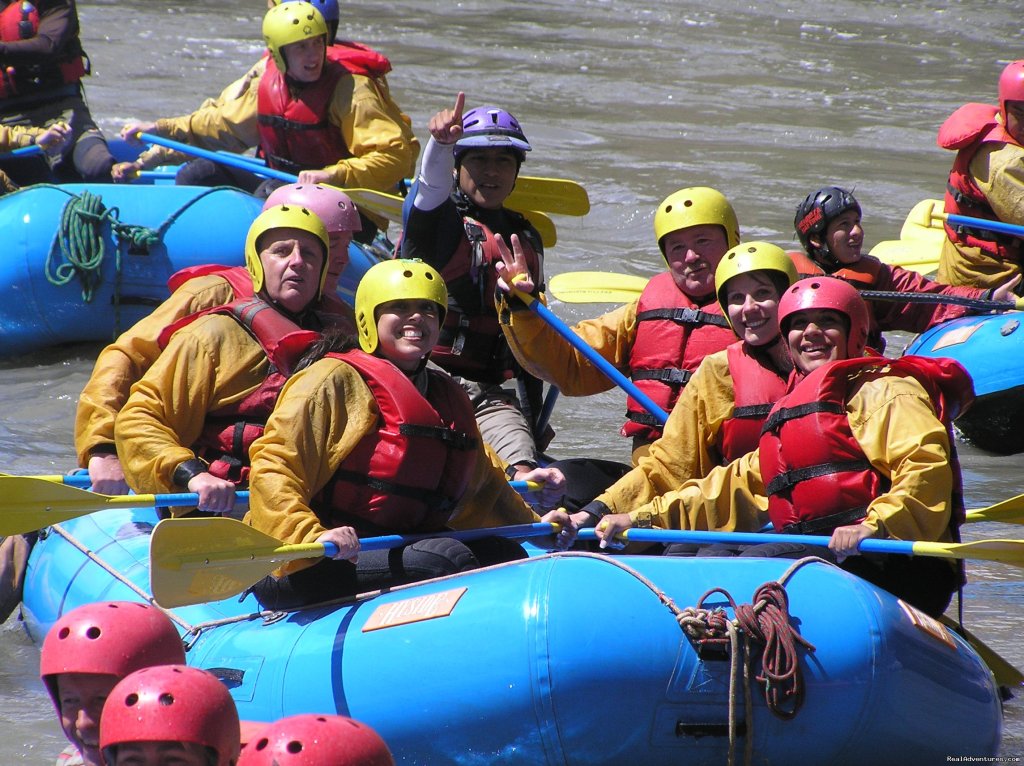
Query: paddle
{"points": [[1009, 511], [34, 502], [609, 287], [596, 287], [550, 195], [1004, 551], [199, 560], [377, 202], [25, 151], [928, 213], [592, 356]]}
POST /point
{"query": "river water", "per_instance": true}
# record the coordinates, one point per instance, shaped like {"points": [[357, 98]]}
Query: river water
{"points": [[765, 101]]}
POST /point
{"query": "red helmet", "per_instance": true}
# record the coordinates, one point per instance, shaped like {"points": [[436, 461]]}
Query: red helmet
{"points": [[829, 293], [110, 637], [175, 703], [1011, 85], [316, 740], [333, 206]]}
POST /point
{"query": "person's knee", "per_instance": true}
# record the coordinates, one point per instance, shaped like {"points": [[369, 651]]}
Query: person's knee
{"points": [[438, 557], [92, 158], [198, 173]]}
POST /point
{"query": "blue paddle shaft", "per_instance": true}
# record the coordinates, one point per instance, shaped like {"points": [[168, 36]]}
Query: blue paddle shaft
{"points": [[233, 161], [597, 360], [986, 224], [386, 542], [749, 538], [25, 151]]}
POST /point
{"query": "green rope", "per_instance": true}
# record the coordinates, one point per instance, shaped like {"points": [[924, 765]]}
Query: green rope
{"points": [[80, 238]]}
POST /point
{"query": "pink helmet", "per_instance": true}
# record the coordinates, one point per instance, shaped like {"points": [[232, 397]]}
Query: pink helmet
{"points": [[333, 206], [110, 637], [829, 293], [175, 703], [316, 740], [1011, 85]]}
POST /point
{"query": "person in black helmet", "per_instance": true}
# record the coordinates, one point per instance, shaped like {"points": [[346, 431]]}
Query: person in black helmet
{"points": [[828, 223]]}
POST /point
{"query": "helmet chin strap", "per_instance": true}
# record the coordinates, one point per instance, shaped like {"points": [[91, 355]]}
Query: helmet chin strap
{"points": [[825, 258]]}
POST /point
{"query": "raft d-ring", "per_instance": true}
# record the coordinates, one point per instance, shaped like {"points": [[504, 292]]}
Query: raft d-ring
{"points": [[1009, 327]]}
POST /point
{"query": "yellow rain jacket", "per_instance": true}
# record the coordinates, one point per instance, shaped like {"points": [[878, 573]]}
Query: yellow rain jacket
{"points": [[321, 415], [893, 420], [209, 364], [998, 169], [383, 147]]}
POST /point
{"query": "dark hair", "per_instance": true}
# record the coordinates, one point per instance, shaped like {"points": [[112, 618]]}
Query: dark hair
{"points": [[333, 340]]}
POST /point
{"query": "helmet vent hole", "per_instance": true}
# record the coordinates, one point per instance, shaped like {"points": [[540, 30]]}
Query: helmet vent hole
{"points": [[407, 274], [93, 633], [64, 633], [131, 700], [294, 747], [688, 203], [261, 744], [166, 699]]}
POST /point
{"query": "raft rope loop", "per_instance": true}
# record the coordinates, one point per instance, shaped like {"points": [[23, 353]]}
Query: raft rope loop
{"points": [[82, 245]]}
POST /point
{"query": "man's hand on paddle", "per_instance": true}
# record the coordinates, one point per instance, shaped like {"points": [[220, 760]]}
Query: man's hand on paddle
{"points": [[845, 540], [512, 269], [446, 126], [1007, 290]]}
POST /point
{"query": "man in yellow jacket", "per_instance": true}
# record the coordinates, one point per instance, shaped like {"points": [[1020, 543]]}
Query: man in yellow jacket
{"points": [[307, 113], [189, 421], [659, 339], [128, 358]]}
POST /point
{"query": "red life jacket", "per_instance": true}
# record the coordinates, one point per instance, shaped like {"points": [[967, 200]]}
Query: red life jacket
{"points": [[471, 343], [968, 129], [19, 20], [756, 387], [230, 430], [359, 59], [409, 475], [331, 310], [814, 470], [237, 276], [295, 130], [673, 335], [864, 275]]}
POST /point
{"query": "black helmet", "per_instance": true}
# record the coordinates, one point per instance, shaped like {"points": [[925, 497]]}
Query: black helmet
{"points": [[817, 211]]}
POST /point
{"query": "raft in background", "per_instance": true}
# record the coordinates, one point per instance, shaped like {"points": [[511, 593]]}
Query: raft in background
{"points": [[54, 257], [562, 659], [991, 349]]}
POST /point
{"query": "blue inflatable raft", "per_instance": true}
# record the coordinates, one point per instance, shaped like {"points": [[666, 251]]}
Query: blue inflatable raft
{"points": [[991, 349], [563, 659], [84, 261]]}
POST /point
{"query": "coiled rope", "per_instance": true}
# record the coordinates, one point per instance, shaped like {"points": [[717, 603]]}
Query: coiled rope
{"points": [[765, 622], [81, 246]]}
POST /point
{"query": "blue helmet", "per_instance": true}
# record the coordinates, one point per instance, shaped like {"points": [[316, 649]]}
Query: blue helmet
{"points": [[488, 127], [328, 8]]}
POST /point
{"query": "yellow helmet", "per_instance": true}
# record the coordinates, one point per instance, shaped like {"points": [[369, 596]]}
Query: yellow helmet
{"points": [[694, 206], [291, 23], [284, 217], [400, 279], [753, 256]]}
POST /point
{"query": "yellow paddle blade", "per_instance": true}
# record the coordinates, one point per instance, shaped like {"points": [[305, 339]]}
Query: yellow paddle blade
{"points": [[387, 205], [544, 226], [1009, 511], [1005, 673], [550, 195], [32, 503], [920, 242], [1003, 551], [596, 287], [193, 561]]}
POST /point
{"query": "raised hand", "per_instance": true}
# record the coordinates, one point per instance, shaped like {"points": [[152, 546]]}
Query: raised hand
{"points": [[513, 269], [446, 125]]}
